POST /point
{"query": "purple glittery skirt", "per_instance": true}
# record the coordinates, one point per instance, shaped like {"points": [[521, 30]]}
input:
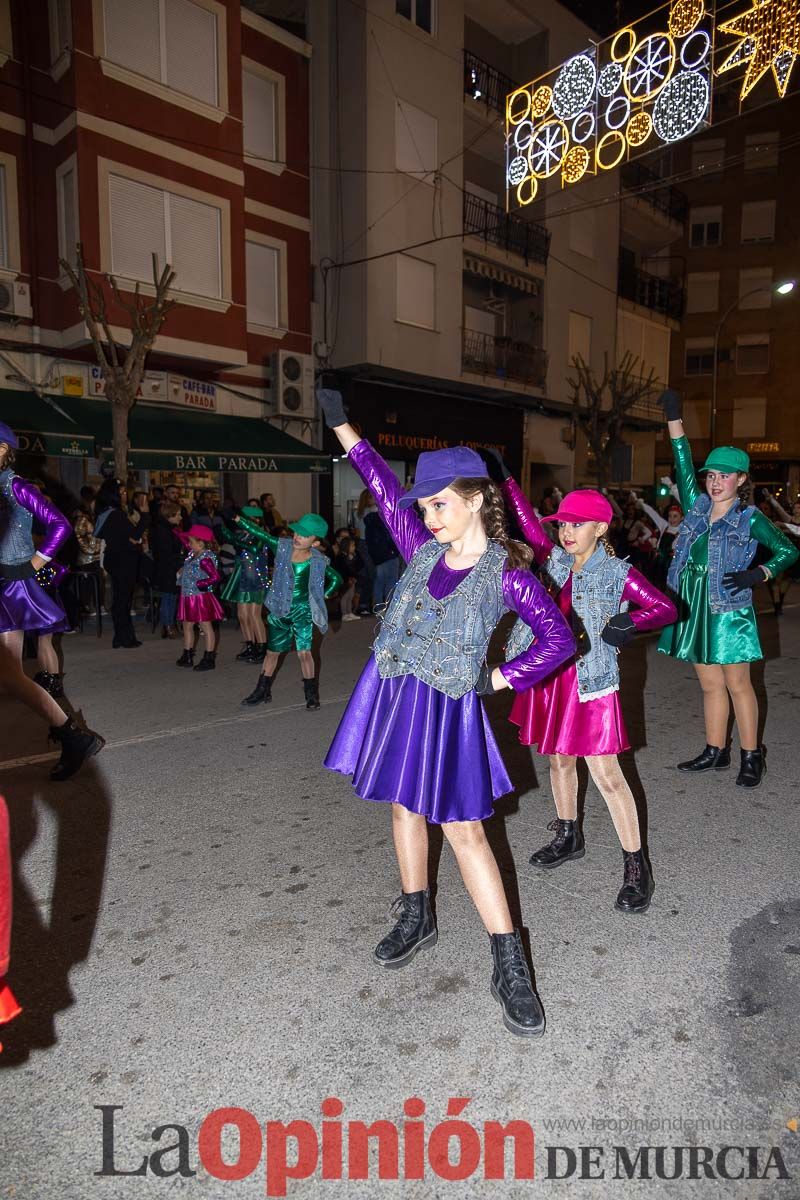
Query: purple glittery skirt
{"points": [[405, 743], [25, 605]]}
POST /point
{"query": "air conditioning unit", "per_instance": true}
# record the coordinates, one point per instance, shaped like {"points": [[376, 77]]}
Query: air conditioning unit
{"points": [[15, 300], [293, 385]]}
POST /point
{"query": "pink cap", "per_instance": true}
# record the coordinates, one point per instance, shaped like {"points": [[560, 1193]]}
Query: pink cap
{"points": [[583, 505], [201, 533]]}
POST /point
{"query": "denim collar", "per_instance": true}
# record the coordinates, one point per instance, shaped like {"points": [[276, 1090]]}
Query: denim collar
{"points": [[597, 560], [732, 516]]}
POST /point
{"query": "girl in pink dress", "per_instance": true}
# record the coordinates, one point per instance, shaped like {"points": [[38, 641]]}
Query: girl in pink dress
{"points": [[575, 712], [198, 605]]}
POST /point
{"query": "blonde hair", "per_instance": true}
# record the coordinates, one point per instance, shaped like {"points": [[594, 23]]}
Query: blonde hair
{"points": [[493, 516]]}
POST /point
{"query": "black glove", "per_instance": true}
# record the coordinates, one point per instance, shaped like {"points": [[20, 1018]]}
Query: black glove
{"points": [[737, 581], [332, 407], [619, 630], [495, 463], [484, 686], [670, 401]]}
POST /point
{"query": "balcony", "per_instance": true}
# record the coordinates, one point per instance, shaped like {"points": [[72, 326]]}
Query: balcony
{"points": [[503, 358], [654, 213], [485, 84], [647, 185], [485, 220], [650, 291]]}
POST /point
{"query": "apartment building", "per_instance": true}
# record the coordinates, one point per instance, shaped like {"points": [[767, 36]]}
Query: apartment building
{"points": [[177, 128], [742, 240], [448, 318]]}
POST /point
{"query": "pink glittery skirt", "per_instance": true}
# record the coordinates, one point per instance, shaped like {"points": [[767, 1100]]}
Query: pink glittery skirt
{"points": [[203, 607], [552, 717]]}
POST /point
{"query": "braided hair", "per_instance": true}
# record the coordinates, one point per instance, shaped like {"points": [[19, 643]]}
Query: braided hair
{"points": [[493, 516]]}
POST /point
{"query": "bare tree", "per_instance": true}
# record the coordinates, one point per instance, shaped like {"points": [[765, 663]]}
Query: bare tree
{"points": [[600, 406], [122, 366]]}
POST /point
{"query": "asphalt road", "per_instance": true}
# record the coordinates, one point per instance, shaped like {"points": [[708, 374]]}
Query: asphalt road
{"points": [[195, 915]]}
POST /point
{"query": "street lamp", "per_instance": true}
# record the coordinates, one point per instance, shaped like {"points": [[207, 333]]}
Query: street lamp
{"points": [[781, 289]]}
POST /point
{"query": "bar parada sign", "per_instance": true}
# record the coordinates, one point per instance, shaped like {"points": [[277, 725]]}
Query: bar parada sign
{"points": [[296, 464]]}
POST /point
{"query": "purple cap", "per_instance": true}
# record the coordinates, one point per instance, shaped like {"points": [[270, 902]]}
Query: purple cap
{"points": [[8, 436], [436, 470]]}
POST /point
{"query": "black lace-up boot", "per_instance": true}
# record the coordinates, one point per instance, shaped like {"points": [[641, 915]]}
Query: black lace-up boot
{"points": [[713, 758], [208, 662], [415, 929], [312, 694], [51, 682], [76, 746], [246, 653], [637, 884], [511, 986], [568, 843], [186, 659], [753, 768], [262, 693]]}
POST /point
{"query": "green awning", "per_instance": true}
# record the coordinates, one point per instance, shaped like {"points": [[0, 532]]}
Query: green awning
{"points": [[41, 430]]}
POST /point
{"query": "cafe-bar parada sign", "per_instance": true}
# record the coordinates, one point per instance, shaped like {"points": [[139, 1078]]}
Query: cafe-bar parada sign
{"points": [[157, 385]]}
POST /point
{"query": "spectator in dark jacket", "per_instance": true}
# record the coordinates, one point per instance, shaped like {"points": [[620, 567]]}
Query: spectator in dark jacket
{"points": [[384, 555], [120, 559], [167, 560], [349, 563]]}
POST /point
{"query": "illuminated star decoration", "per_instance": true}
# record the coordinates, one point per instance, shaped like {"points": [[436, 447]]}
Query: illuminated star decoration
{"points": [[770, 37]]}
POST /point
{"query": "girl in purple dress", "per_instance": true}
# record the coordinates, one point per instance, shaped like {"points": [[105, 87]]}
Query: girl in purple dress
{"points": [[576, 712], [414, 734]]}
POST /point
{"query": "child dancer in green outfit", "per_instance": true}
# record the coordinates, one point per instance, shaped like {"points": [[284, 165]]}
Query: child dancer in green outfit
{"points": [[247, 585], [302, 580]]}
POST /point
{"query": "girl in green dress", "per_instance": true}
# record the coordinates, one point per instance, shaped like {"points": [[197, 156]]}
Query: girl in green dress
{"points": [[711, 573], [247, 585]]}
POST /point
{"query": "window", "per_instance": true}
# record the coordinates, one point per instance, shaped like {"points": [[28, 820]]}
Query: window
{"points": [[421, 12], [171, 41], [705, 226], [263, 285], [750, 417], [416, 291], [183, 232], [697, 417], [6, 40], [416, 137], [260, 104], [702, 291], [761, 151], [698, 357], [581, 232], [60, 19], [752, 354], [579, 337], [67, 201], [758, 221], [708, 156], [4, 255], [755, 287]]}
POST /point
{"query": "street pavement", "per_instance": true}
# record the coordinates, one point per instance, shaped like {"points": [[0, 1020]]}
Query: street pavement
{"points": [[195, 917]]}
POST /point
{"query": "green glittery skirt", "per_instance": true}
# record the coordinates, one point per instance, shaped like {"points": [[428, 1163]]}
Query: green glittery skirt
{"points": [[706, 637]]}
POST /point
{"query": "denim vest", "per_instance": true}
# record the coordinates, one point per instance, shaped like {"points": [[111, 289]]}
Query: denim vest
{"points": [[596, 595], [730, 548], [192, 574], [444, 642], [16, 523], [279, 595]]}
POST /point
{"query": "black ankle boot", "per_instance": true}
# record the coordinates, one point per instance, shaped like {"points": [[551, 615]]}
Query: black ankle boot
{"points": [[76, 746], [414, 930], [637, 884], [262, 693], [208, 662], [186, 659], [568, 843], [51, 682], [511, 986], [753, 768], [246, 654], [259, 650], [713, 758], [312, 693]]}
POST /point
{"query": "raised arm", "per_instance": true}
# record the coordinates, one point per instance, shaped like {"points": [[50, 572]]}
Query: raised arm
{"points": [[529, 524], [652, 608], [688, 490], [261, 535], [553, 641], [57, 527]]}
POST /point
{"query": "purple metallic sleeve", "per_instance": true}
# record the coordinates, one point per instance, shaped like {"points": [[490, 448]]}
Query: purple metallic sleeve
{"points": [[554, 642], [404, 524], [57, 527], [529, 524], [653, 609]]}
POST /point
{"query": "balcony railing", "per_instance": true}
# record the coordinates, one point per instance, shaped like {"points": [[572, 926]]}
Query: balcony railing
{"points": [[651, 291], [646, 184], [485, 83], [503, 358], [495, 225]]}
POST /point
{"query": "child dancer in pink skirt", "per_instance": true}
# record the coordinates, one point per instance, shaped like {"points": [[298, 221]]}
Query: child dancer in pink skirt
{"points": [[198, 604], [575, 712]]}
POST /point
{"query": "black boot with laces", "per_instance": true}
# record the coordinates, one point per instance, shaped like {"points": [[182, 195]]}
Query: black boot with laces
{"points": [[568, 843], [415, 929], [637, 884], [511, 986]]}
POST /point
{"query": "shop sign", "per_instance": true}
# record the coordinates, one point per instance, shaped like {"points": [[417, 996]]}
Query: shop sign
{"points": [[161, 461], [55, 445], [196, 393], [763, 447], [152, 387], [72, 385], [400, 441]]}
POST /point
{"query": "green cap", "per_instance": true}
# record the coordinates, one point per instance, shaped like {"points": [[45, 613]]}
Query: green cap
{"points": [[250, 510], [727, 458], [310, 525]]}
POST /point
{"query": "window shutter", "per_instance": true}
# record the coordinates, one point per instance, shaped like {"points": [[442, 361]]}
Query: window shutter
{"points": [[579, 339], [758, 221], [751, 278], [132, 35], [702, 291], [416, 291], [137, 228], [68, 215], [750, 417], [263, 307], [191, 37], [259, 97], [3, 219], [415, 140], [195, 246]]}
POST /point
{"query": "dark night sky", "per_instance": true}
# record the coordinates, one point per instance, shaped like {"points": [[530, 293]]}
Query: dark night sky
{"points": [[608, 15]]}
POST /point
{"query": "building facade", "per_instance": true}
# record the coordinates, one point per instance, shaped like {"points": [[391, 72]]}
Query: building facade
{"points": [[175, 128]]}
